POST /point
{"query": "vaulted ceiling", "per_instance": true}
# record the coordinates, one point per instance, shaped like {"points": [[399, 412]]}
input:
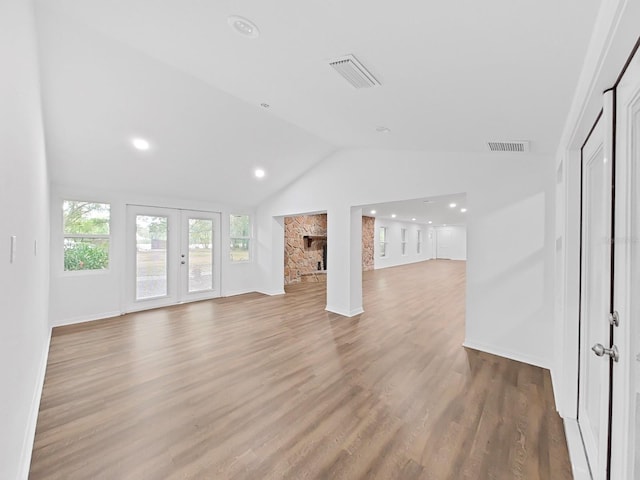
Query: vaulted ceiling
{"points": [[453, 75]]}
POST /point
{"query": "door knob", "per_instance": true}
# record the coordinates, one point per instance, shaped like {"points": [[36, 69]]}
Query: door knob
{"points": [[600, 350]]}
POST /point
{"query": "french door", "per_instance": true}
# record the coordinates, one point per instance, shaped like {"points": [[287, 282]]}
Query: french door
{"points": [[173, 256], [609, 391], [595, 295], [625, 451]]}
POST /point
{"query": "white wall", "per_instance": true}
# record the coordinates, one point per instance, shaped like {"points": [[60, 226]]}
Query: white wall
{"points": [[510, 197], [394, 255], [24, 210], [82, 296], [456, 245]]}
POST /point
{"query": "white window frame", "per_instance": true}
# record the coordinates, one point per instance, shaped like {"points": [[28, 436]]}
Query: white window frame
{"points": [[65, 235], [419, 244], [403, 241], [248, 238], [383, 232]]}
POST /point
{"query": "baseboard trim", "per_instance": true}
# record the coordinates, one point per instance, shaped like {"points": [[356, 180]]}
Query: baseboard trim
{"points": [[577, 455], [234, 293], [87, 318], [273, 293], [518, 357], [345, 313], [27, 446]]}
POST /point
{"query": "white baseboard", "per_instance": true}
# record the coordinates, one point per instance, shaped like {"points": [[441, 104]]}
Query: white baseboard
{"points": [[519, 357], [233, 293], [344, 312], [272, 293], [577, 454], [27, 446], [86, 318]]}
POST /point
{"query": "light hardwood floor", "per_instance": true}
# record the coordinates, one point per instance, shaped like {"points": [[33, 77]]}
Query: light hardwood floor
{"points": [[256, 387]]}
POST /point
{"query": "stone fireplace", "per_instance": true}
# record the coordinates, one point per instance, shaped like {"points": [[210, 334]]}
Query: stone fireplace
{"points": [[305, 245]]}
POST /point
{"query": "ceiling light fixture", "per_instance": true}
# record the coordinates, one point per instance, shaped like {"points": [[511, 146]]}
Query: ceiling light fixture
{"points": [[413, 219], [463, 210], [259, 173], [243, 26], [393, 215], [430, 222], [452, 205], [373, 212], [141, 144]]}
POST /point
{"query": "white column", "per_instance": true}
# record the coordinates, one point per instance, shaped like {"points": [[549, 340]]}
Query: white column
{"points": [[344, 262]]}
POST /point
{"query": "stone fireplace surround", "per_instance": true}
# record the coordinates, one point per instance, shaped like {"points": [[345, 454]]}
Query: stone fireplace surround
{"points": [[305, 240]]}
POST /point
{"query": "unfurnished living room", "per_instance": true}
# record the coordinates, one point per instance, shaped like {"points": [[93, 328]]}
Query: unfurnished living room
{"points": [[319, 240]]}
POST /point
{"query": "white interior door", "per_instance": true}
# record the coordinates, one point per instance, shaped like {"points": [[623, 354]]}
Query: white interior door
{"points": [[173, 256], [626, 375], [595, 302], [443, 243]]}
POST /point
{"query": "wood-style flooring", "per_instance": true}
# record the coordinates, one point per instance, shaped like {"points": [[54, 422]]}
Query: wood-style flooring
{"points": [[257, 387]]}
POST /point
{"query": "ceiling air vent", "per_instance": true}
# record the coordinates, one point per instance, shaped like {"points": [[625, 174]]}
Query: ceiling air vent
{"points": [[508, 146], [354, 72]]}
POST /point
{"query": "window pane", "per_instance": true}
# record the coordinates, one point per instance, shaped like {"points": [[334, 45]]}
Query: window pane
{"points": [[151, 256], [200, 254], [239, 249], [383, 249], [86, 253], [239, 236], [86, 218], [239, 226], [383, 234]]}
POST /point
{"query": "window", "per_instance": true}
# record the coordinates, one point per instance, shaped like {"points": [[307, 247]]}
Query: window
{"points": [[86, 235], [383, 241], [240, 237], [403, 240], [419, 244]]}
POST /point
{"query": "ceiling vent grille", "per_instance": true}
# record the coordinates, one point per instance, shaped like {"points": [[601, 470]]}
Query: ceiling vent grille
{"points": [[508, 146], [354, 72]]}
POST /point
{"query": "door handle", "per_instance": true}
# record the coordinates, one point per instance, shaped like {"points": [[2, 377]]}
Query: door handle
{"points": [[600, 351]]}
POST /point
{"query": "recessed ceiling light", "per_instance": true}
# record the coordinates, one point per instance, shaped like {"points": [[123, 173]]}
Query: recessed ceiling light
{"points": [[373, 212], [265, 105], [463, 210], [382, 129], [430, 222], [243, 26], [413, 219], [393, 215], [259, 173], [444, 224], [140, 144], [452, 205]]}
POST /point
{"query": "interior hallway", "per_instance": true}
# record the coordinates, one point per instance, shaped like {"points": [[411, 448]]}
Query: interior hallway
{"points": [[257, 387]]}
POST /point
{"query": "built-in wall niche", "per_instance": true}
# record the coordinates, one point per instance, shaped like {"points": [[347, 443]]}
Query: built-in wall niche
{"points": [[310, 239]]}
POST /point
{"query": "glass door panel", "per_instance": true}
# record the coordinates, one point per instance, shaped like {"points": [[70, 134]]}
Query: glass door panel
{"points": [[151, 256], [173, 256], [200, 256]]}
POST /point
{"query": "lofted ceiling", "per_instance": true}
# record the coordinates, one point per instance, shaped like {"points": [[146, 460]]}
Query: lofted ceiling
{"points": [[453, 75]]}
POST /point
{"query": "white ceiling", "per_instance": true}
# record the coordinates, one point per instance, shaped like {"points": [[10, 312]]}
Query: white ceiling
{"points": [[436, 210], [453, 75]]}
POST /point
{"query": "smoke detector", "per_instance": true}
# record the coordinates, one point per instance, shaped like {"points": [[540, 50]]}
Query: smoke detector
{"points": [[508, 146], [354, 72]]}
